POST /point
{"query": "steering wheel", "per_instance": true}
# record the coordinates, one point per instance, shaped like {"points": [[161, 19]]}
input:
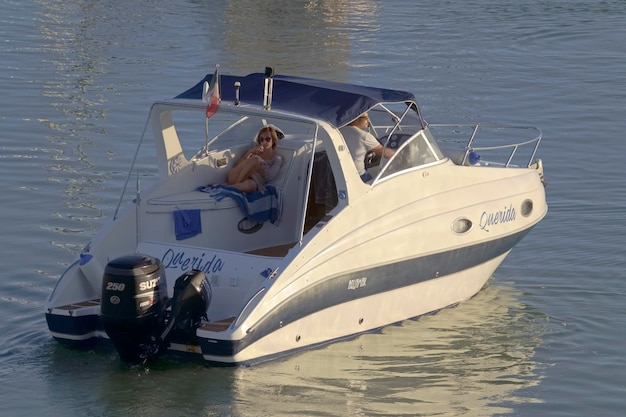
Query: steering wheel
{"points": [[371, 159]]}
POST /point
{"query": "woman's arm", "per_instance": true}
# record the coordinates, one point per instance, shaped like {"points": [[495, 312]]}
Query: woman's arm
{"points": [[247, 155], [271, 172]]}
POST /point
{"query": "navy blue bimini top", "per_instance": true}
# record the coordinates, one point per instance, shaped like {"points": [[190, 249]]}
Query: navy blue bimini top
{"points": [[333, 102]]}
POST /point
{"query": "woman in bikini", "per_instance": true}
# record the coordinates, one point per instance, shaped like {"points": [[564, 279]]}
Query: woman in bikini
{"points": [[257, 166]]}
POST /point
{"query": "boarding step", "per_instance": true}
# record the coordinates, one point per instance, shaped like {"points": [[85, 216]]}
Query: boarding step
{"points": [[82, 304], [217, 326], [82, 308]]}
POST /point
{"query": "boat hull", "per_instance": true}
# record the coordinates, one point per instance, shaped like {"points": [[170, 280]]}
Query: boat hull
{"points": [[347, 305], [340, 307], [341, 282]]}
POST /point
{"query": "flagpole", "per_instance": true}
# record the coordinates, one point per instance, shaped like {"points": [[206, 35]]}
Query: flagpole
{"points": [[210, 96], [206, 135]]}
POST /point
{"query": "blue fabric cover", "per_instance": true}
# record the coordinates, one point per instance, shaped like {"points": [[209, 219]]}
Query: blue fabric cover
{"points": [[256, 206], [187, 223]]}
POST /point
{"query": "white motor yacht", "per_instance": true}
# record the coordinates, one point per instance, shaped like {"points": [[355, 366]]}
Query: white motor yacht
{"points": [[315, 256]]}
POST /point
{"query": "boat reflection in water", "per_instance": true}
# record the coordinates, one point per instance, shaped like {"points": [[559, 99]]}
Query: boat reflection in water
{"points": [[474, 359], [467, 360]]}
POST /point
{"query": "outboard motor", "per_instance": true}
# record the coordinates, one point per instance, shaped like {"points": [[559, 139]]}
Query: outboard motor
{"points": [[136, 314], [134, 302], [191, 300]]}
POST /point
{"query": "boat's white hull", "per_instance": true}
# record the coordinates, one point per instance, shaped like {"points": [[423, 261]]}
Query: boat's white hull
{"points": [[365, 314], [343, 280], [346, 281], [335, 322]]}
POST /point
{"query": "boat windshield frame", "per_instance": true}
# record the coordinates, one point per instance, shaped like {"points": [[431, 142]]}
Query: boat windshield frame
{"points": [[414, 148]]}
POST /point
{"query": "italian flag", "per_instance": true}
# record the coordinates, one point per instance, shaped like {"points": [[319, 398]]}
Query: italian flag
{"points": [[211, 95]]}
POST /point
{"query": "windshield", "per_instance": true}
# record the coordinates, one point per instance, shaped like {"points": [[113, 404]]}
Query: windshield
{"points": [[403, 132]]}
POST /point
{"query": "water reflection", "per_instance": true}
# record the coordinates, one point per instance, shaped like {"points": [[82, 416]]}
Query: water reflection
{"points": [[73, 118], [308, 38], [465, 360]]}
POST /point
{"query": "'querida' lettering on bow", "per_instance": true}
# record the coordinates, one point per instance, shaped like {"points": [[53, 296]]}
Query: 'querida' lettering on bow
{"points": [[178, 260], [506, 215]]}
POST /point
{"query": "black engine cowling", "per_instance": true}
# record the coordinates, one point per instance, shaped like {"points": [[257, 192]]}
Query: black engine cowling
{"points": [[136, 314], [134, 300]]}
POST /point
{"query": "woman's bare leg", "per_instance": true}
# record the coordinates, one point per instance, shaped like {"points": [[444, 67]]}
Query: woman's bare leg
{"points": [[246, 186], [244, 170]]}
